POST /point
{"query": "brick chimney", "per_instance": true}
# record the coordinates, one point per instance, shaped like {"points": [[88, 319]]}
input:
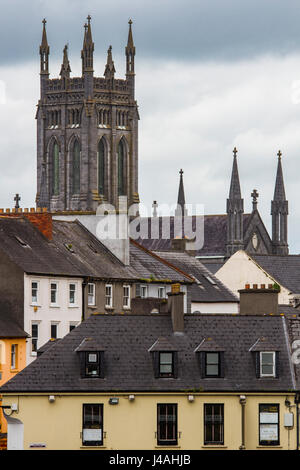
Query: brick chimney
{"points": [[176, 308], [42, 221], [258, 300], [39, 217]]}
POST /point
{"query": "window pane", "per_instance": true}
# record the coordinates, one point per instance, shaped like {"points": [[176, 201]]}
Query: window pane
{"points": [[212, 370], [212, 358], [72, 293]]}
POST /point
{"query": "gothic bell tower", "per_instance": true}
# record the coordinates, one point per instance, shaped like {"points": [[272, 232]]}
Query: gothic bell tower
{"points": [[87, 132]]}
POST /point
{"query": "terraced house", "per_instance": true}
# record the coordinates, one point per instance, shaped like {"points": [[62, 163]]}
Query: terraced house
{"points": [[168, 381]]}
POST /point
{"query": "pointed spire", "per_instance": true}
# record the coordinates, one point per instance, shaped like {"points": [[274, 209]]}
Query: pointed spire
{"points": [[181, 209], [130, 43], [44, 44], [65, 67], [279, 212], [44, 51], [130, 52], [87, 48], [235, 188], [110, 70], [279, 192], [235, 211]]}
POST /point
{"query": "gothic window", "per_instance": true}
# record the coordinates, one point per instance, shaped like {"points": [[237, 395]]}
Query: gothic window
{"points": [[101, 166], [76, 168], [121, 168], [55, 169]]}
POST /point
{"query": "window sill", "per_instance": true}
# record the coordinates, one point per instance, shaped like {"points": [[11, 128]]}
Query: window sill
{"points": [[73, 306], [54, 306], [166, 446], [214, 446], [269, 447], [92, 306], [14, 371], [93, 447], [107, 307]]}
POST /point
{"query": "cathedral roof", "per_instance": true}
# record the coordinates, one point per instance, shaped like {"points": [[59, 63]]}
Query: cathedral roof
{"points": [[215, 234]]}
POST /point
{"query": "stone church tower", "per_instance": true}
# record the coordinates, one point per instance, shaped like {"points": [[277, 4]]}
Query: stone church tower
{"points": [[87, 132]]}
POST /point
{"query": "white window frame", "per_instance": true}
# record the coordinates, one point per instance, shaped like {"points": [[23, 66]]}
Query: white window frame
{"points": [[13, 356], [163, 289], [143, 286], [126, 286], [34, 353], [54, 323], [73, 304], [261, 363], [93, 294], [54, 304], [35, 302], [110, 297]]}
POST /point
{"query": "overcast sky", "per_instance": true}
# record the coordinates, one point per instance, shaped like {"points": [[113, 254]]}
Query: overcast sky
{"points": [[210, 75]]}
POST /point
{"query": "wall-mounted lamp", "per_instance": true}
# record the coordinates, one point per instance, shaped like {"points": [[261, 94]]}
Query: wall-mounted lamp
{"points": [[191, 398], [113, 401], [51, 398], [131, 397]]}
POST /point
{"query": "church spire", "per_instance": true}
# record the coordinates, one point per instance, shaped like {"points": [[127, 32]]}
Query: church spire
{"points": [[235, 211], [130, 54], [181, 209], [235, 188], [87, 48], [279, 212], [44, 51], [110, 70], [65, 66]]}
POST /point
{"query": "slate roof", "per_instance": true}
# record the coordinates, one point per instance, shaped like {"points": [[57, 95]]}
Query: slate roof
{"points": [[210, 288], [128, 363], [148, 264], [33, 253], [89, 256], [215, 233], [9, 328], [284, 269]]}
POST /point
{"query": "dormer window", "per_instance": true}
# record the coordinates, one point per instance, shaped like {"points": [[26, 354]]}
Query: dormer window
{"points": [[164, 358], [92, 364], [166, 364], [91, 358], [267, 364], [266, 358], [211, 359]]}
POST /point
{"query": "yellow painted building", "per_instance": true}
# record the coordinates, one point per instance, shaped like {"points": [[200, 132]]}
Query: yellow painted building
{"points": [[133, 422], [159, 381], [12, 360]]}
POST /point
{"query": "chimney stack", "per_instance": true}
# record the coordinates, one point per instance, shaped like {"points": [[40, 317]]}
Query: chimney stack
{"points": [[176, 308], [259, 301]]}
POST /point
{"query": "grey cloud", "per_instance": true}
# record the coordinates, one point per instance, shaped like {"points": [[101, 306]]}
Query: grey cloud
{"points": [[164, 29]]}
